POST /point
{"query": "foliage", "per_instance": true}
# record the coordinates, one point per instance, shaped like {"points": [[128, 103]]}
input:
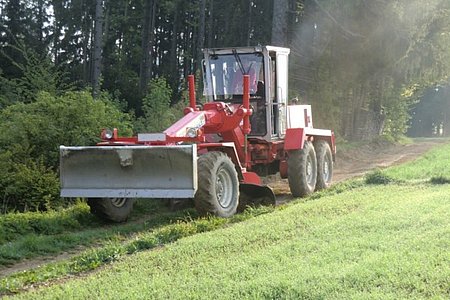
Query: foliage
{"points": [[354, 58], [157, 113], [30, 135], [74, 118], [349, 59], [15, 225], [27, 184], [37, 73], [397, 111]]}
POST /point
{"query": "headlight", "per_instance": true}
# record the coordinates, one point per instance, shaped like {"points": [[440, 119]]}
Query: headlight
{"points": [[107, 134], [192, 132]]}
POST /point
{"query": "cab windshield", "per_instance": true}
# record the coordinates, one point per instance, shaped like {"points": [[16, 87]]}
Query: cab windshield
{"points": [[224, 75]]}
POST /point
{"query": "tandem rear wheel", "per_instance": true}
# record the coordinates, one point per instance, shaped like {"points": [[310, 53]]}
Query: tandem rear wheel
{"points": [[324, 164], [310, 168]]}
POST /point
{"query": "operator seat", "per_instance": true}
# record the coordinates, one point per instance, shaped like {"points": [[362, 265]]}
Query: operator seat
{"points": [[258, 118]]}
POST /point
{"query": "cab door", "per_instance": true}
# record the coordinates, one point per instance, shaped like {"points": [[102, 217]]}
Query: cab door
{"points": [[281, 95]]}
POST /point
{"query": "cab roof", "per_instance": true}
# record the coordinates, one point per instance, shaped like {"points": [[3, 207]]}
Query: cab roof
{"points": [[253, 49]]}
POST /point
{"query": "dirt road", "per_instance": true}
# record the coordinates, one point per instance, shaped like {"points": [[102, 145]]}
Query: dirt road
{"points": [[359, 160]]}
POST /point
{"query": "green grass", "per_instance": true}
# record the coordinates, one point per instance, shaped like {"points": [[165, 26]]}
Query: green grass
{"points": [[116, 249], [386, 242], [15, 225], [344, 145], [434, 163], [383, 237], [33, 234]]}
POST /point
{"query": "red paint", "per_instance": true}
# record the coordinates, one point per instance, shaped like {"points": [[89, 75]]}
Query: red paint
{"points": [[305, 116], [283, 169], [192, 99], [294, 139], [252, 178], [192, 119], [246, 104]]}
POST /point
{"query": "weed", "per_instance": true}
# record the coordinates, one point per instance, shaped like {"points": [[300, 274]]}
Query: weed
{"points": [[97, 257], [378, 177], [15, 225]]}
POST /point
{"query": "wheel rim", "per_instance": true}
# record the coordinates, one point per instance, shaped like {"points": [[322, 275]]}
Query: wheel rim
{"points": [[223, 192], [326, 171], [118, 202], [309, 170]]}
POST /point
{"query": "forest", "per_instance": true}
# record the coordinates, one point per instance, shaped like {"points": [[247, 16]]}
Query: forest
{"points": [[71, 67]]}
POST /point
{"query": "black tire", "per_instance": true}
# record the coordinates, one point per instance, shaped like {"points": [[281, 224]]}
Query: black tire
{"points": [[302, 170], [218, 185], [324, 165], [111, 209]]}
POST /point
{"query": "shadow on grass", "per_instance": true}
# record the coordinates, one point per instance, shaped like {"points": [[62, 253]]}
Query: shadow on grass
{"points": [[440, 180]]}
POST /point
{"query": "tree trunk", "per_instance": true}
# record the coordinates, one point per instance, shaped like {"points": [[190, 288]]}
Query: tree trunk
{"points": [[122, 30], [280, 23], [446, 126], [201, 35], [186, 59], [107, 21], [145, 70], [210, 24], [87, 28], [57, 9], [249, 23], [173, 55], [446, 111], [98, 45], [40, 21]]}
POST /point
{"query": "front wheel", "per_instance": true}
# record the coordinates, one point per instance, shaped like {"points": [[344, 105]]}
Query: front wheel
{"points": [[111, 209], [302, 170], [218, 185]]}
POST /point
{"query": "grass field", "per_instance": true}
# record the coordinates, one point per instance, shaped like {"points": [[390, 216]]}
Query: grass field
{"points": [[34, 234], [386, 240]]}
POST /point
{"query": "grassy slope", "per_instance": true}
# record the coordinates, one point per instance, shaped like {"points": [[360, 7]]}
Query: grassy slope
{"points": [[378, 241], [34, 234]]}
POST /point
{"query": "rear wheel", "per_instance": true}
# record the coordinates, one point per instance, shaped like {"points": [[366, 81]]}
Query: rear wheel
{"points": [[302, 170], [324, 165], [218, 185], [112, 209]]}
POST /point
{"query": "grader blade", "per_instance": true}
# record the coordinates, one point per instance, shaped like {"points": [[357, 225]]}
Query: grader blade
{"points": [[129, 171], [254, 195]]}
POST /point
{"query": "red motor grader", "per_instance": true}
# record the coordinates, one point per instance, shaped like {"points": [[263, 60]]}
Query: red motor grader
{"points": [[217, 152]]}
